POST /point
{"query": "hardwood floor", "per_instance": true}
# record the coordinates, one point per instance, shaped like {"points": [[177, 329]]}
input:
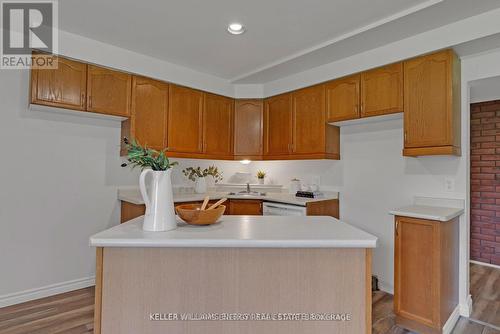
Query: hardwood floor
{"points": [[72, 313], [384, 319], [68, 313], [485, 291]]}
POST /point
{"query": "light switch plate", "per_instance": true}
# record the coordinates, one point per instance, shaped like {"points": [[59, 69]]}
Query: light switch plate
{"points": [[449, 184]]}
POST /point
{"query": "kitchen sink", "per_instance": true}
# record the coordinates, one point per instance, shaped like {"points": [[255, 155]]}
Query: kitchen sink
{"points": [[246, 193]]}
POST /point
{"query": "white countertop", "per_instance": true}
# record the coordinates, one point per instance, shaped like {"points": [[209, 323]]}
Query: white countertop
{"points": [[428, 212], [242, 231], [440, 209], [134, 196]]}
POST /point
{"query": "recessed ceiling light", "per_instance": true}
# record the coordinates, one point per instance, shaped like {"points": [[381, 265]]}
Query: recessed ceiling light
{"points": [[245, 162], [236, 28]]}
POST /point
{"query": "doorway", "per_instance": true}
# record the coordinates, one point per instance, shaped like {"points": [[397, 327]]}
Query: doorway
{"points": [[484, 275]]}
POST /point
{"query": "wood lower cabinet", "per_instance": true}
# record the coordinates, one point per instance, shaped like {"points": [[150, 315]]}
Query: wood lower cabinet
{"points": [[248, 129], [108, 91], [323, 208], [185, 121], [342, 99], [382, 90], [218, 126], [130, 211], [64, 87], [425, 273], [278, 125], [432, 105], [148, 121], [245, 207]]}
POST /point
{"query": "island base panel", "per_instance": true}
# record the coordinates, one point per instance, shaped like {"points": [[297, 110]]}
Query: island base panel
{"points": [[140, 281]]}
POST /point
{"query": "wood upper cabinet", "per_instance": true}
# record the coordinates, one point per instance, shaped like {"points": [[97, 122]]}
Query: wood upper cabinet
{"points": [[342, 99], [64, 87], [245, 207], [425, 273], [185, 120], [432, 105], [218, 126], [248, 129], [108, 91], [278, 125], [382, 90], [149, 112], [308, 117]]}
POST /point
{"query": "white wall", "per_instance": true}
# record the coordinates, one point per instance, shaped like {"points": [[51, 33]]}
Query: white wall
{"points": [[485, 90], [377, 178], [58, 179]]}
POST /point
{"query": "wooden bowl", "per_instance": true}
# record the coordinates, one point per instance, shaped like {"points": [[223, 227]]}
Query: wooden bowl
{"points": [[191, 214]]}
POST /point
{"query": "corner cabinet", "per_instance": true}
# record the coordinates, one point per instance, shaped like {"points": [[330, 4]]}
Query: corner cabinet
{"points": [[218, 115], [278, 126], [248, 129], [108, 91], [342, 99], [382, 91], [425, 273], [148, 120], [63, 87], [432, 105], [295, 127], [185, 122]]}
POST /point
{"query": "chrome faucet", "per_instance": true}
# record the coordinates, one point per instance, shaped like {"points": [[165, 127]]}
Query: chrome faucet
{"points": [[248, 187]]}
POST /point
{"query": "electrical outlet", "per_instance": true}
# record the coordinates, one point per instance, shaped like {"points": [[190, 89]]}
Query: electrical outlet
{"points": [[449, 184]]}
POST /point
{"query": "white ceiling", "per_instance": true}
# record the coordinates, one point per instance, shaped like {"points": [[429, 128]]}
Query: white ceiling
{"points": [[283, 36]]}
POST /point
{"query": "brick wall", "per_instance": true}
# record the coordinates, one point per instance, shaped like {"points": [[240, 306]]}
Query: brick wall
{"points": [[485, 182]]}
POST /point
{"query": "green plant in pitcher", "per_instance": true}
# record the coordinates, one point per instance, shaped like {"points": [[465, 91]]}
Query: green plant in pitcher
{"points": [[144, 157]]}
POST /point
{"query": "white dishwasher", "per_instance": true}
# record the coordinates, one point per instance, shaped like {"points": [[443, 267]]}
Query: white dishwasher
{"points": [[279, 209]]}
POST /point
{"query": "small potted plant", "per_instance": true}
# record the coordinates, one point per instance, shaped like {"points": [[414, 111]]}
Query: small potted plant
{"points": [[260, 176], [197, 175], [159, 200]]}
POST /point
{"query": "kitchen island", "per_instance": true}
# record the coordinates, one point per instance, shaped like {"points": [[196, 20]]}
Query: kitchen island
{"points": [[245, 274]]}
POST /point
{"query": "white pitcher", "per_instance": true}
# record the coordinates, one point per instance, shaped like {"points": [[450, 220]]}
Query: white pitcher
{"points": [[160, 213]]}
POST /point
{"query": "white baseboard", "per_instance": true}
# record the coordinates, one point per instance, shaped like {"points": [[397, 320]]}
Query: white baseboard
{"points": [[46, 291], [485, 264], [386, 287], [466, 309], [452, 320]]}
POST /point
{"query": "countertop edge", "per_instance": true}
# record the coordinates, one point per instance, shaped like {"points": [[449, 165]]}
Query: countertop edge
{"points": [[194, 243], [268, 198], [427, 216]]}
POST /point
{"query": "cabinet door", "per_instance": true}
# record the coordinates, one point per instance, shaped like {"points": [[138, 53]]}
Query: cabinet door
{"points": [[185, 120], [149, 112], [278, 125], [248, 128], [218, 126], [342, 99], [428, 101], [382, 90], [416, 272], [64, 87], [245, 207], [308, 115], [109, 92]]}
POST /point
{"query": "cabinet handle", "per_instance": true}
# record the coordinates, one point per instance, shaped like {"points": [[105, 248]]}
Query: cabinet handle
{"points": [[90, 101], [82, 100], [362, 108], [397, 226], [405, 137]]}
